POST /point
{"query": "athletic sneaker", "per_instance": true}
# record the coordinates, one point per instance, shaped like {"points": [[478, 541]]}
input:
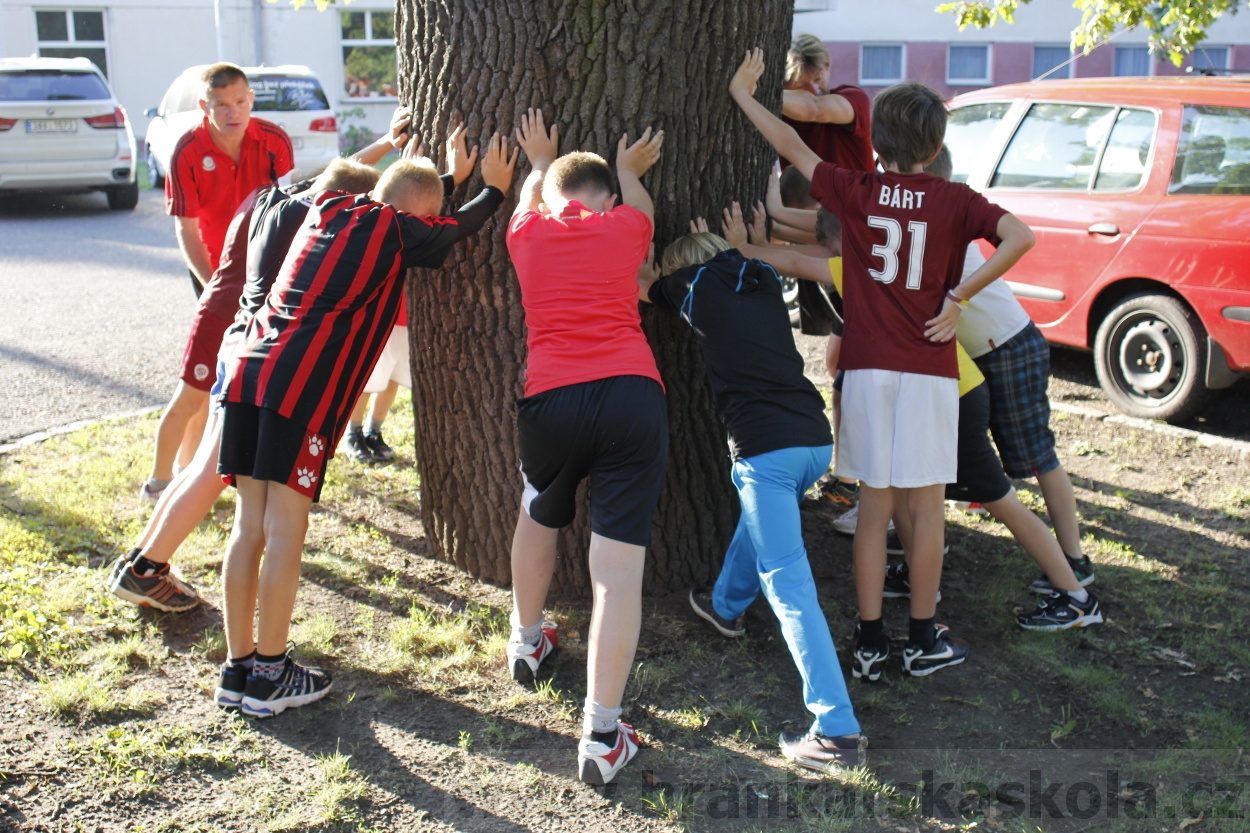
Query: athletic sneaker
{"points": [[598, 763], [1084, 570], [122, 562], [295, 686], [946, 650], [161, 590], [847, 521], [382, 451], [357, 449], [971, 507], [867, 661], [701, 603], [149, 494], [824, 754], [524, 659], [231, 685], [842, 495], [898, 582], [1060, 612]]}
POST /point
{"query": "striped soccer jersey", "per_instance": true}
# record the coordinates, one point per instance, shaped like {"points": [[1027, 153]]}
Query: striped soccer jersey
{"points": [[310, 348]]}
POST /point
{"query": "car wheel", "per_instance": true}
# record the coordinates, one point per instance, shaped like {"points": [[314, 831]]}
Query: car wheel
{"points": [[790, 294], [123, 196], [1149, 354], [155, 180]]}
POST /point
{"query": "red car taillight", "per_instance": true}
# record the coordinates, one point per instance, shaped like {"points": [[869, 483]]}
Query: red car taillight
{"points": [[327, 125], [7, 124], [115, 119]]}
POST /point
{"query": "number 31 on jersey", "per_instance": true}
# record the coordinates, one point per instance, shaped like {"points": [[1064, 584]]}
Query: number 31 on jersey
{"points": [[889, 252]]}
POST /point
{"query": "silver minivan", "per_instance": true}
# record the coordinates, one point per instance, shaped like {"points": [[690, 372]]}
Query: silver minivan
{"points": [[62, 129]]}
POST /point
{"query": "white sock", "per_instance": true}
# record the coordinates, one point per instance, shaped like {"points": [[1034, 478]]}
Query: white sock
{"points": [[597, 718], [1079, 596], [529, 634], [372, 427]]}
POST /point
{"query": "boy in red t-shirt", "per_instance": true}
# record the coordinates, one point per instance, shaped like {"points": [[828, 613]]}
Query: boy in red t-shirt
{"points": [[904, 235], [594, 407]]}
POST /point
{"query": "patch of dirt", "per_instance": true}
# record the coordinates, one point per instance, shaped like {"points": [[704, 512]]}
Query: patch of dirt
{"points": [[453, 744]]}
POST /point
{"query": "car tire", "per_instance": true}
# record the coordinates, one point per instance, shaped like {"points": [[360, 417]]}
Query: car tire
{"points": [[124, 197], [1149, 354], [155, 179], [790, 294]]}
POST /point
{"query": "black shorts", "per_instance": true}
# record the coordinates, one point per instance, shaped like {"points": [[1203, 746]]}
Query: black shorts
{"points": [[837, 380], [613, 430], [981, 478], [264, 445]]}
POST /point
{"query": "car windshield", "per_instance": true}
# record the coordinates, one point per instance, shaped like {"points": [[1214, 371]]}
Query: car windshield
{"points": [[287, 94], [1214, 152], [52, 85]]}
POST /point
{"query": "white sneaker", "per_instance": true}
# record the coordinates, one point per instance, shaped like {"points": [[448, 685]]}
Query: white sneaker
{"points": [[846, 522], [524, 659], [150, 495], [598, 764]]}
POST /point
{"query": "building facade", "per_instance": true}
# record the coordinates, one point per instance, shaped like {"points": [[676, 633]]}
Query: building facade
{"points": [[883, 42], [143, 45]]}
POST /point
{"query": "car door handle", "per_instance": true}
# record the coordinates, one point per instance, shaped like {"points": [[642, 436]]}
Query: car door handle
{"points": [[1109, 229]]}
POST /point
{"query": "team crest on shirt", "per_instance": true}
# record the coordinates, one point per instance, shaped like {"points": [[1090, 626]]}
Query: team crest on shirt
{"points": [[201, 372], [209, 163]]}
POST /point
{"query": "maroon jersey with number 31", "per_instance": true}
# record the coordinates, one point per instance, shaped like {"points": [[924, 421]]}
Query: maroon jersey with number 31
{"points": [[904, 237]]}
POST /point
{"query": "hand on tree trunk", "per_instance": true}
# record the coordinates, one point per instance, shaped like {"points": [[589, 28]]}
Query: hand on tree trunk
{"points": [[498, 168], [460, 162]]}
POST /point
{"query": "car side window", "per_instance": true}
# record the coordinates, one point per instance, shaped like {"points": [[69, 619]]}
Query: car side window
{"points": [[1055, 147], [967, 131], [1214, 152], [1123, 165]]}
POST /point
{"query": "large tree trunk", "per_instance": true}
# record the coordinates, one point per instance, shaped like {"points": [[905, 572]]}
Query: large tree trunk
{"points": [[597, 69]]}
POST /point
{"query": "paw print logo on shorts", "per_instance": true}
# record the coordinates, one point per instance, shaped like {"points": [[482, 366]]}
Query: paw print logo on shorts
{"points": [[306, 478], [315, 445]]}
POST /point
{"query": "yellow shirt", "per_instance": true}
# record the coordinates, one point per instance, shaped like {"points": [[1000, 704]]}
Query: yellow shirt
{"points": [[969, 374]]}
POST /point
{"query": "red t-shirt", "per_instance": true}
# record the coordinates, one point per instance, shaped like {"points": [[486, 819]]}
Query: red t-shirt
{"points": [[205, 182], [904, 237], [579, 286], [845, 145], [221, 293]]}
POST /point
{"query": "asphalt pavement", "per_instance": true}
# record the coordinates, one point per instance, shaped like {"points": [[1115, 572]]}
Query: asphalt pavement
{"points": [[94, 309]]}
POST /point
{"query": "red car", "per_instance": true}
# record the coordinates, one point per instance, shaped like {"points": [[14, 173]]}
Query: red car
{"points": [[1138, 190]]}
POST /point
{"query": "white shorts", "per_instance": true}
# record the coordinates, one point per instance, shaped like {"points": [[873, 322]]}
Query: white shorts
{"points": [[393, 364], [898, 429]]}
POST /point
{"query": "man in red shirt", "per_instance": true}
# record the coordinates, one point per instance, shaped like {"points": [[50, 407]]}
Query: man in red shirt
{"points": [[214, 168], [594, 407]]}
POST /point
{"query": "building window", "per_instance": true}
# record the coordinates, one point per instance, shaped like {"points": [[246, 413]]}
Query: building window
{"points": [[1052, 62], [369, 65], [1132, 60], [72, 34], [881, 64], [967, 65], [1210, 57]]}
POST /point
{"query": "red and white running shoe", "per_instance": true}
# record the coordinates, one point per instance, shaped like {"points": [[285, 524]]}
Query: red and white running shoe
{"points": [[598, 763], [524, 659]]}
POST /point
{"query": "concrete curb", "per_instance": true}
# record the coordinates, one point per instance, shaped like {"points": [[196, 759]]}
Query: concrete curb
{"points": [[40, 436], [1210, 440]]}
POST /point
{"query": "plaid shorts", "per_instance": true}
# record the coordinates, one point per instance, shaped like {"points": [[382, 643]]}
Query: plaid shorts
{"points": [[1018, 374]]}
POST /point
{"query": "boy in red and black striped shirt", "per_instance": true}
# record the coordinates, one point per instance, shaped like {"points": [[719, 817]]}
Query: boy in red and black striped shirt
{"points": [[305, 359]]}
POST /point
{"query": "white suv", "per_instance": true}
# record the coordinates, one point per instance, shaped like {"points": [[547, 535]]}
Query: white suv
{"points": [[289, 96], [61, 129]]}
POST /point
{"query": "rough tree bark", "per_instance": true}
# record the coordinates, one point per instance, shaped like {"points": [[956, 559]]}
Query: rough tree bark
{"points": [[597, 69]]}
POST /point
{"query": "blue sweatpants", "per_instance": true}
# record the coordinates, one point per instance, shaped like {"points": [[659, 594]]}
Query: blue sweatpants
{"points": [[767, 553]]}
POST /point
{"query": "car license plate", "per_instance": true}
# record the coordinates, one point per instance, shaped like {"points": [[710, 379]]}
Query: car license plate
{"points": [[52, 126], [297, 143]]}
